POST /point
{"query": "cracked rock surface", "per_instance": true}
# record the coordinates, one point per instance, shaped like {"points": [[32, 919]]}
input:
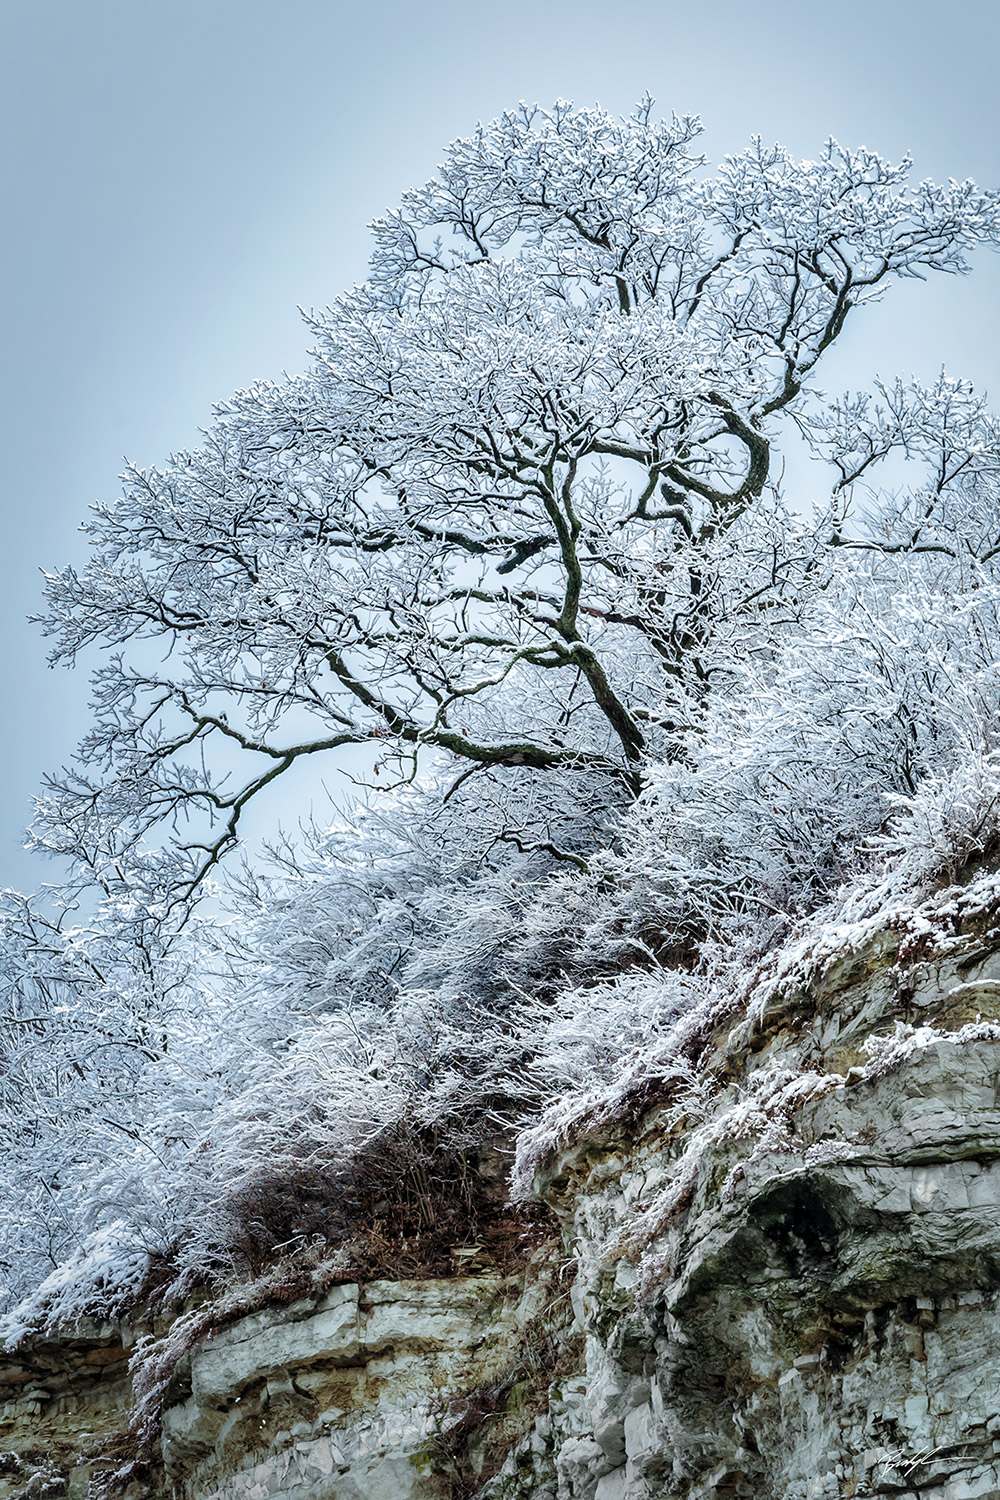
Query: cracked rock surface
{"points": [[817, 1313]]}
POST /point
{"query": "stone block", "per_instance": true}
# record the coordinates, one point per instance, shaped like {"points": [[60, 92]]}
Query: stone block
{"points": [[267, 1342]]}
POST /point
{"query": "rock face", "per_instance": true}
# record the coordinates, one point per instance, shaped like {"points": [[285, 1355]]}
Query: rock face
{"points": [[817, 1258], [63, 1412], [387, 1391], [785, 1285], [353, 1397]]}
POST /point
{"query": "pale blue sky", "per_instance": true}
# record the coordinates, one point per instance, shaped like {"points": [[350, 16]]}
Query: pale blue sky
{"points": [[178, 175]]}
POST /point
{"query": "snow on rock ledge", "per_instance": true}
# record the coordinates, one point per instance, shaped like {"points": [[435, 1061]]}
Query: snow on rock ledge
{"points": [[785, 1286], [789, 1278]]}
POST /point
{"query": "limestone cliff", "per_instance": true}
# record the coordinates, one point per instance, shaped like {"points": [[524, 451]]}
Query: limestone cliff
{"points": [[781, 1281]]}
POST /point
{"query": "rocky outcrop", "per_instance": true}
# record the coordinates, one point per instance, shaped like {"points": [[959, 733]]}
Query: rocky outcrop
{"points": [[64, 1406], [795, 1296], [357, 1397], [784, 1284], [390, 1390]]}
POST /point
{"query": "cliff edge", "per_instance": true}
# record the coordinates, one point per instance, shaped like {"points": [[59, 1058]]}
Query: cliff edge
{"points": [[778, 1278]]}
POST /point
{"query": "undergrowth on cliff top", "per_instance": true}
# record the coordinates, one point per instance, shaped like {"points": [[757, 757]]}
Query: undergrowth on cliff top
{"points": [[627, 725]]}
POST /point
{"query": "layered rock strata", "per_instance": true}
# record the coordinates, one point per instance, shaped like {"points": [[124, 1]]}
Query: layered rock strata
{"points": [[64, 1404], [793, 1294], [358, 1397]]}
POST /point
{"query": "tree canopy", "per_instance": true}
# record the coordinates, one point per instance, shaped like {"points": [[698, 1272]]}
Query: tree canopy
{"points": [[520, 512]]}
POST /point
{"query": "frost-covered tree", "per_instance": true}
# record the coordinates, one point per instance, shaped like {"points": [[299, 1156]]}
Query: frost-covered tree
{"points": [[520, 512], [627, 717]]}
